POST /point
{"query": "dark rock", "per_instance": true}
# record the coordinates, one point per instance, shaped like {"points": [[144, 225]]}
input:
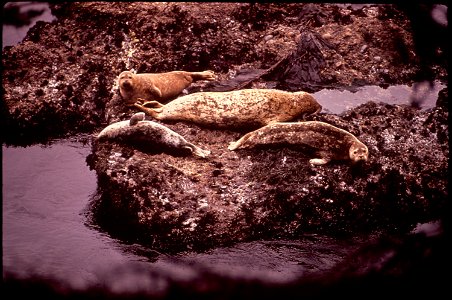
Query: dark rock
{"points": [[67, 77], [275, 192], [91, 43]]}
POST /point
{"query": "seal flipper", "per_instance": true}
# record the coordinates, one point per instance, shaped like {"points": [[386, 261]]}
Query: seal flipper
{"points": [[155, 91], [318, 161], [234, 145], [153, 112], [153, 104], [325, 158], [197, 151]]}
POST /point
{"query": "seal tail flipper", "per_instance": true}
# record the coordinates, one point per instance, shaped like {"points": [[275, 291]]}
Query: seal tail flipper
{"points": [[319, 109], [305, 115], [234, 145], [205, 75]]}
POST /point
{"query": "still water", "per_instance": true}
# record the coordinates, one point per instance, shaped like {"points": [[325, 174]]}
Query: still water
{"points": [[14, 33], [46, 190], [421, 94]]}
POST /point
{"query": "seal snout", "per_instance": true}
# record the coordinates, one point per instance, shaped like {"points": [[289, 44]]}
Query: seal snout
{"points": [[125, 80], [126, 84]]}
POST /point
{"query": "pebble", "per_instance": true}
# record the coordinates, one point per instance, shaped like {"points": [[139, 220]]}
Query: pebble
{"points": [[363, 48], [268, 37]]}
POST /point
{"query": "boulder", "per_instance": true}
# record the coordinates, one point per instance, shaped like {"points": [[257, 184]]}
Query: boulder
{"points": [[175, 203]]}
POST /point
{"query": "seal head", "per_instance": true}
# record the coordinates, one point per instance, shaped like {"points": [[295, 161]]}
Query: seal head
{"points": [[358, 152]]}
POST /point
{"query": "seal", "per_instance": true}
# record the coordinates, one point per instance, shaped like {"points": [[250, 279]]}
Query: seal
{"points": [[157, 86], [327, 141], [235, 109], [149, 136]]}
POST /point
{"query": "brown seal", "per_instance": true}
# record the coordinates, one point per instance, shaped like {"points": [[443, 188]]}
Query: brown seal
{"points": [[235, 109], [161, 87], [327, 141], [148, 135]]}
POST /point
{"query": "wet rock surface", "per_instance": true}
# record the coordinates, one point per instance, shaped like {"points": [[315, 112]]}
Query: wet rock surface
{"points": [[61, 81]]}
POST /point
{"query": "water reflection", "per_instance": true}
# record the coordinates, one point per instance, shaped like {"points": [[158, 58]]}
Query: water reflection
{"points": [[422, 95], [45, 194]]}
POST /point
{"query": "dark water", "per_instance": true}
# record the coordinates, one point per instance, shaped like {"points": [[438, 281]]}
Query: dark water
{"points": [[45, 194]]}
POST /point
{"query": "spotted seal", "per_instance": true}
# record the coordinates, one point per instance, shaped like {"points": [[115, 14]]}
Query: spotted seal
{"points": [[162, 87], [327, 141], [235, 109], [148, 135]]}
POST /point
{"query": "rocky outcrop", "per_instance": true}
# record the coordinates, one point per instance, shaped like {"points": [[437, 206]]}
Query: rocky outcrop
{"points": [[61, 80], [178, 203]]}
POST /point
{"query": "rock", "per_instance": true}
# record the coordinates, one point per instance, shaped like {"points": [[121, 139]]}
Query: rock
{"points": [[175, 204], [65, 72], [363, 48]]}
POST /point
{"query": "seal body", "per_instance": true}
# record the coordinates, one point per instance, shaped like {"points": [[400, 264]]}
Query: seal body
{"points": [[326, 141], [148, 135], [161, 87], [235, 109]]}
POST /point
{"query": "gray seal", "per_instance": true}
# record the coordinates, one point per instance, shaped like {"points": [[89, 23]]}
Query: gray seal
{"points": [[235, 109], [148, 135], [327, 141]]}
